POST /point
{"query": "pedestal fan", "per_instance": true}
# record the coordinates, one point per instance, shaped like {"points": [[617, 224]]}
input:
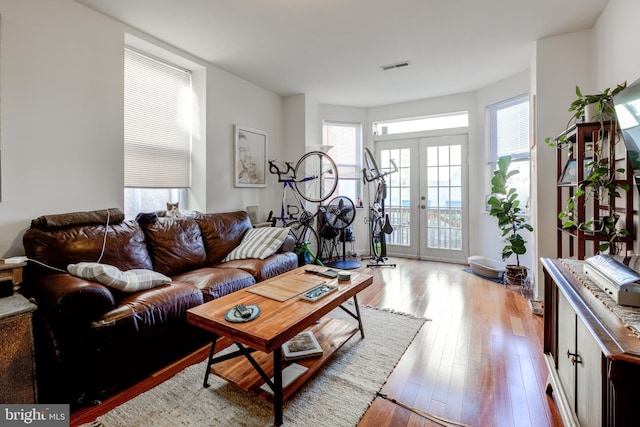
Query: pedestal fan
{"points": [[340, 213]]}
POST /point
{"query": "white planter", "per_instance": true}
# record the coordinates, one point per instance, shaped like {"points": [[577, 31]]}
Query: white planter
{"points": [[590, 112]]}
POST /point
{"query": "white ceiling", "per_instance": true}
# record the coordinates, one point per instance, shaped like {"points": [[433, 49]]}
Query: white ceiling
{"points": [[332, 50]]}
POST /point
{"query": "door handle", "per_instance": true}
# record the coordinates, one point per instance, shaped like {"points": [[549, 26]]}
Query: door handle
{"points": [[423, 206], [573, 358]]}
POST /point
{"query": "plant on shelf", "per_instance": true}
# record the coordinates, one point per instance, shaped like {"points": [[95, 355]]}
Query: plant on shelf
{"points": [[590, 108], [600, 184], [505, 206]]}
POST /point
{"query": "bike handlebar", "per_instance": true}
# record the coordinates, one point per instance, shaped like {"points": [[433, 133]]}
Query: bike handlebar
{"points": [[274, 169], [379, 175]]}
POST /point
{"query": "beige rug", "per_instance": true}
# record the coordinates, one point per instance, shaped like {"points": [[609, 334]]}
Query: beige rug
{"points": [[338, 395]]}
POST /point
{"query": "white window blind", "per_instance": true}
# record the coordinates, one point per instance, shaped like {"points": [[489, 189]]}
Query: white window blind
{"points": [[345, 140], [157, 123], [510, 128]]}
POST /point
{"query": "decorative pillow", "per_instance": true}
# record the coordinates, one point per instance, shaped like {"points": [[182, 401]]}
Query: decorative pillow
{"points": [[125, 281], [259, 243]]}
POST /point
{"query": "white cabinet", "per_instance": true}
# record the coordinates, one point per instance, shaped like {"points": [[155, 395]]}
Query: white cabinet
{"points": [[592, 357], [589, 378], [579, 366]]}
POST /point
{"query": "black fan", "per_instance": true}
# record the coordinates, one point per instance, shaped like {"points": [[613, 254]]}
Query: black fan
{"points": [[340, 213]]}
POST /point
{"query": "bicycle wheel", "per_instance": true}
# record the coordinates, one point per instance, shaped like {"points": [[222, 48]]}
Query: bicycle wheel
{"points": [[378, 243], [316, 176], [302, 233]]}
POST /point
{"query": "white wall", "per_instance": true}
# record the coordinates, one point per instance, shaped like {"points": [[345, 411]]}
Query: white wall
{"points": [[562, 62], [615, 38], [615, 43], [62, 117]]}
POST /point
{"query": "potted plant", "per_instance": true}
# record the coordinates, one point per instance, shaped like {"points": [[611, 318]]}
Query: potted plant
{"points": [[590, 108], [505, 206], [599, 184]]}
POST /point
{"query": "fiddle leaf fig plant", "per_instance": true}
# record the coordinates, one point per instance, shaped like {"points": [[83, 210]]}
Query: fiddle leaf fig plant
{"points": [[505, 206]]}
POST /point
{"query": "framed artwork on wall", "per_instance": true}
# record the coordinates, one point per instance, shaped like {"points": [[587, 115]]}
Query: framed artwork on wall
{"points": [[250, 157]]}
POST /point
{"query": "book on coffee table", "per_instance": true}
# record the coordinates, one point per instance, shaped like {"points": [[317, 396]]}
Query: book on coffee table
{"points": [[302, 345], [289, 375]]}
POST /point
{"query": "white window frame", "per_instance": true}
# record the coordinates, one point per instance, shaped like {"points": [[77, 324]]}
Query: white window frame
{"points": [[521, 152], [356, 178], [152, 195]]}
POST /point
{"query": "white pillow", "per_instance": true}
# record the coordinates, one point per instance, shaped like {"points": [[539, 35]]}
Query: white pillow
{"points": [[127, 281], [259, 243]]}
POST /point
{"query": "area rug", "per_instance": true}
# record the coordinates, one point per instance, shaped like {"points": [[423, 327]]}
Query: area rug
{"points": [[337, 395], [493, 279]]}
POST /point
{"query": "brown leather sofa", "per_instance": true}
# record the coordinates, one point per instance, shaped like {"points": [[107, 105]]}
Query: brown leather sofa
{"points": [[93, 340]]}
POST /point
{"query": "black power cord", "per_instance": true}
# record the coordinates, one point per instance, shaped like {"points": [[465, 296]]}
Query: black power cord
{"points": [[434, 418]]}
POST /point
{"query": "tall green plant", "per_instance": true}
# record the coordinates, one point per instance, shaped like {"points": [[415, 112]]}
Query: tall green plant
{"points": [[506, 207]]}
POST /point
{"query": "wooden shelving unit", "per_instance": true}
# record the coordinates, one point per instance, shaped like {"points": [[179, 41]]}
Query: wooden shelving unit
{"points": [[578, 148]]}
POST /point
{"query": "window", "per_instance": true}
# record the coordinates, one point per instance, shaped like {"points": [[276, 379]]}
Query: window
{"points": [[157, 133], [345, 140], [419, 124], [509, 135]]}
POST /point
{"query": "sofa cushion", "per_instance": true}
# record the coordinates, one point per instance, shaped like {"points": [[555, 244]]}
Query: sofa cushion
{"points": [[262, 269], [125, 281], [222, 232], [258, 243], [216, 282], [175, 245], [122, 245]]}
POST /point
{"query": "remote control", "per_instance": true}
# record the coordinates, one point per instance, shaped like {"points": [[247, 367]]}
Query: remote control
{"points": [[243, 311], [332, 274], [329, 273]]}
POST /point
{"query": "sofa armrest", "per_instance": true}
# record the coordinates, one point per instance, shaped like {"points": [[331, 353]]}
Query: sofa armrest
{"points": [[287, 246], [72, 297]]}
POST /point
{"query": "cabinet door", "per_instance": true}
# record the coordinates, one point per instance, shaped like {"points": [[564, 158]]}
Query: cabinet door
{"points": [[567, 343], [589, 378]]}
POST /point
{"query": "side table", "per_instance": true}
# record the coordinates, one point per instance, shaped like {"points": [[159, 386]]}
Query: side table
{"points": [[17, 358], [12, 273]]}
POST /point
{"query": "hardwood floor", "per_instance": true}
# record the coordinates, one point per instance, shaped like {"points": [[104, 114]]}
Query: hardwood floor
{"points": [[478, 361]]}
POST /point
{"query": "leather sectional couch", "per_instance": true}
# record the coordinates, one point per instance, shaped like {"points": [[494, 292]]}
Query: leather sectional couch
{"points": [[93, 340]]}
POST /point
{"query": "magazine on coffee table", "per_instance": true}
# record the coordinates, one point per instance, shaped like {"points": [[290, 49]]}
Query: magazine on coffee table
{"points": [[302, 345]]}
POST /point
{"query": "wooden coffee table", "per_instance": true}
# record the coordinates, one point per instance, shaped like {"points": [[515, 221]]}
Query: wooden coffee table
{"points": [[260, 340]]}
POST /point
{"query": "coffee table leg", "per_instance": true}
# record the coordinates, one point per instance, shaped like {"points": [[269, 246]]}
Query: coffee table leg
{"points": [[277, 382], [205, 384], [355, 303]]}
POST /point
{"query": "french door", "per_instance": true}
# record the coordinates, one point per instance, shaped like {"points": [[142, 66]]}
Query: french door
{"points": [[427, 197]]}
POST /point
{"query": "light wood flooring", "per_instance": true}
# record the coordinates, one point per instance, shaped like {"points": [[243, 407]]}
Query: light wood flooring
{"points": [[478, 361]]}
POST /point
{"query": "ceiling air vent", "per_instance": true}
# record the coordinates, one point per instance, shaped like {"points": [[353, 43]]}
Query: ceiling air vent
{"points": [[396, 65]]}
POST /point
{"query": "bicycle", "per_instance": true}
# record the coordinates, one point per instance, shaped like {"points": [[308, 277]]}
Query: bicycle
{"points": [[314, 178], [378, 219]]}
